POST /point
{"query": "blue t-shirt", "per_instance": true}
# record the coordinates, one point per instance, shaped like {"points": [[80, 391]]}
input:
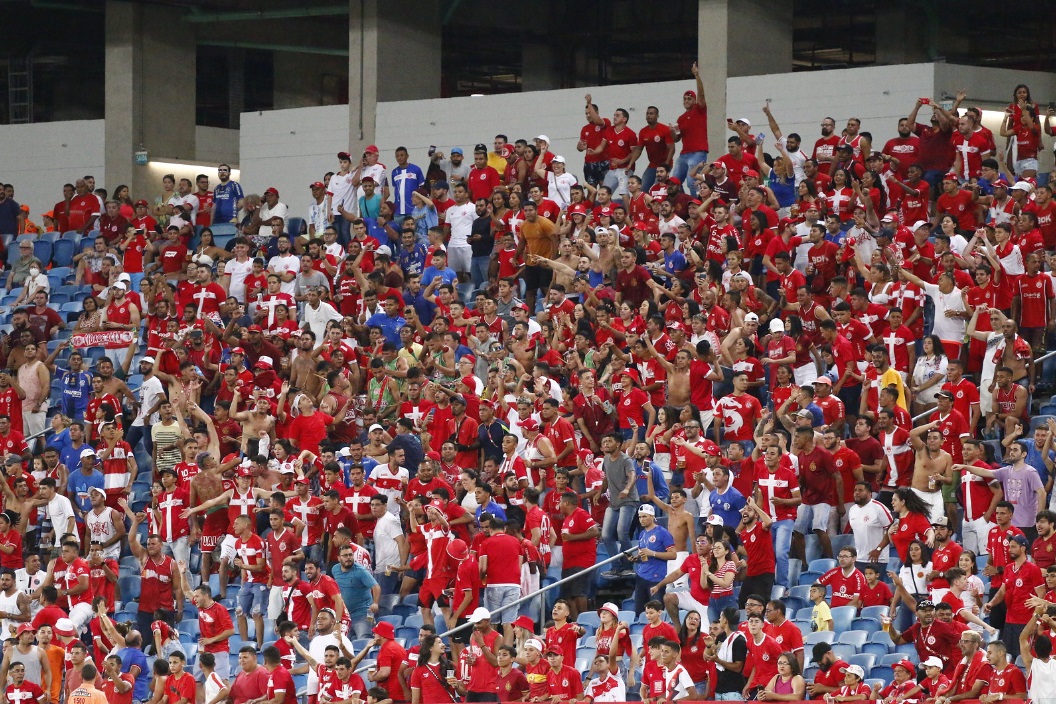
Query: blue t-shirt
{"points": [[225, 198], [76, 390], [355, 585], [1035, 460], [447, 276], [78, 486], [9, 212], [411, 261], [405, 181], [727, 506], [675, 263], [130, 657], [390, 327], [660, 487], [494, 509], [659, 540]]}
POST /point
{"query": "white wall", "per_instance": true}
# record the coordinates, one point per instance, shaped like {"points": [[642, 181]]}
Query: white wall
{"points": [[290, 149], [40, 158]]}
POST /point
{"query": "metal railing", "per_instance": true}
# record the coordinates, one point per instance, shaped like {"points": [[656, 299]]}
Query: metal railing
{"points": [[1042, 358], [534, 595]]}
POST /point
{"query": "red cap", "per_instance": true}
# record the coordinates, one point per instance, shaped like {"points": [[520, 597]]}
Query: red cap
{"points": [[691, 94], [506, 152], [489, 404], [28, 628], [457, 549], [641, 225], [710, 448], [274, 191], [677, 325], [255, 328], [470, 357], [433, 455], [785, 222], [367, 179], [675, 180], [470, 381], [529, 424], [317, 184], [372, 149], [384, 628], [577, 208], [303, 480], [751, 173], [633, 374], [144, 203], [907, 665], [586, 456], [948, 177], [238, 350], [245, 472]]}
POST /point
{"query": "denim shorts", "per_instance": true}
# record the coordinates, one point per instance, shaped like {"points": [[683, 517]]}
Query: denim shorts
{"points": [[252, 599]]}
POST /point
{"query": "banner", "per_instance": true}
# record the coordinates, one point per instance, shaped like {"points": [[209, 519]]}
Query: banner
{"points": [[110, 339]]}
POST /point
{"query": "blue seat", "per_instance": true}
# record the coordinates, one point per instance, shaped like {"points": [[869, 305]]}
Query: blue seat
{"points": [[877, 649], [28, 237], [72, 307], [821, 566], [889, 659], [869, 625], [414, 621], [909, 652], [189, 626], [865, 660], [842, 618], [1048, 409], [805, 627], [71, 235], [1039, 421], [874, 612], [396, 621], [58, 299], [61, 272], [42, 251], [405, 632], [294, 227], [855, 639], [628, 616], [820, 637], [807, 612], [794, 604], [844, 652], [223, 229], [129, 587], [884, 674], [386, 603], [800, 592], [590, 618], [222, 241]]}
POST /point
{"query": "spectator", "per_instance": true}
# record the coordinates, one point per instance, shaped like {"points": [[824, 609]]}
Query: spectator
{"points": [[729, 652]]}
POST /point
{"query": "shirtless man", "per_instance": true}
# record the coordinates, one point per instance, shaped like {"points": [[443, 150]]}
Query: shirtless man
{"points": [[256, 422], [1017, 355], [302, 367], [606, 260], [377, 440], [680, 523], [933, 467], [678, 387], [206, 486], [114, 386]]}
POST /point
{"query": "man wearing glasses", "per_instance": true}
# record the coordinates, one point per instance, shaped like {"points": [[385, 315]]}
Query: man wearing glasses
{"points": [[227, 197]]}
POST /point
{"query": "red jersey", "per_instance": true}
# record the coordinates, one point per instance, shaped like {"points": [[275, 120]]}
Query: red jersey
{"points": [[170, 505], [156, 585], [844, 587], [251, 552], [280, 546], [310, 514], [212, 621], [997, 549], [592, 134]]}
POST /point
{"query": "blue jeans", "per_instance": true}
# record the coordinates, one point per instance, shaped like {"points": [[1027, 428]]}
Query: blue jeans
{"points": [[478, 270], [616, 529], [781, 535], [343, 227], [684, 163], [715, 606], [648, 178], [642, 595]]}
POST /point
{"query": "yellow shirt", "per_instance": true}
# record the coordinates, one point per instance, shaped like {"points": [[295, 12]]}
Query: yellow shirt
{"points": [[892, 377], [820, 616]]}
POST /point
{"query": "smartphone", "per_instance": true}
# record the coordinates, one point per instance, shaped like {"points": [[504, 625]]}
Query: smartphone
{"points": [[450, 673], [925, 101]]}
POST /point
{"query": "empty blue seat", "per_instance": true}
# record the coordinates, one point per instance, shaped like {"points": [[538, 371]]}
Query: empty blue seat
{"points": [[405, 632], [294, 226], [855, 639], [869, 625], [396, 621], [806, 612], [223, 228], [414, 621], [1039, 421], [42, 250], [71, 235], [844, 652], [189, 627], [876, 648], [842, 618], [129, 588], [821, 566], [589, 618], [56, 300], [864, 660], [800, 592], [820, 637], [876, 612], [883, 673]]}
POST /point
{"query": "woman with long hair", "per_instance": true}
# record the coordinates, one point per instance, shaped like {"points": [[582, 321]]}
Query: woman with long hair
{"points": [[912, 522], [429, 679], [121, 195], [91, 317], [207, 247], [929, 373], [840, 197], [788, 684], [161, 203], [692, 638], [911, 583], [974, 594], [720, 572]]}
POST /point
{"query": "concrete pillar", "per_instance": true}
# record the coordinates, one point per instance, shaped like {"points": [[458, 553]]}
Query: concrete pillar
{"points": [[393, 54], [149, 93], [902, 36], [539, 69], [739, 38]]}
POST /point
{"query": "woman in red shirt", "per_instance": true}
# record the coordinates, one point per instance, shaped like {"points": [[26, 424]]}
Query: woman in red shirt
{"points": [[912, 522], [429, 679], [633, 409]]}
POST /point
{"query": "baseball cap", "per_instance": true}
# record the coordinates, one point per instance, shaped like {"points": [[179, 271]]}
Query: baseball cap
{"points": [[712, 448], [120, 285], [317, 184], [933, 662], [534, 643], [776, 325], [344, 156], [287, 468], [26, 628], [506, 152], [86, 452], [751, 318], [144, 203], [433, 455], [97, 489], [266, 362], [16, 459], [845, 147], [854, 670], [542, 138], [148, 360], [819, 651], [559, 159], [384, 250], [238, 350], [925, 604], [458, 398], [647, 509], [1021, 539], [611, 608], [944, 394], [245, 472], [714, 520], [941, 521], [745, 120], [255, 328], [367, 179], [804, 413], [371, 149], [303, 480], [1022, 186], [919, 224], [273, 191], [530, 424], [384, 629], [823, 380], [376, 426], [479, 614]]}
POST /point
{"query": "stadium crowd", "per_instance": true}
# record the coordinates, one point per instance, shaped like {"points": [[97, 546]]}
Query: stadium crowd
{"points": [[787, 397]]}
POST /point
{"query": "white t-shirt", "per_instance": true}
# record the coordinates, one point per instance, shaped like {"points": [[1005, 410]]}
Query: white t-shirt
{"points": [[213, 685], [317, 318], [389, 483], [59, 510], [281, 265], [149, 393], [317, 649], [238, 271], [951, 329], [1042, 686], [386, 530], [868, 523], [27, 584], [189, 199], [460, 218], [279, 211], [340, 189]]}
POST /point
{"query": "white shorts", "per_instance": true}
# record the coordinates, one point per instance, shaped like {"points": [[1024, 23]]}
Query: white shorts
{"points": [[1025, 165], [687, 602], [459, 258], [986, 397], [934, 501], [682, 583], [810, 518], [707, 418], [807, 374], [227, 548], [81, 614]]}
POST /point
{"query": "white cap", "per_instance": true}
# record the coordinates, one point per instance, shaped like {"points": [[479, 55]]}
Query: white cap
{"points": [[745, 120], [919, 224], [87, 452], [647, 509], [776, 325], [714, 519], [287, 469], [611, 608], [933, 662], [124, 277], [204, 260], [374, 427], [559, 159], [479, 614], [120, 285], [384, 249], [751, 318], [857, 670], [345, 452], [542, 138], [890, 217], [148, 360], [534, 643], [1022, 186]]}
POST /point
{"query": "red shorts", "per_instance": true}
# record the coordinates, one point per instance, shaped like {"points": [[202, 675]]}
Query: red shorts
{"points": [[953, 349], [214, 528], [432, 591]]}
